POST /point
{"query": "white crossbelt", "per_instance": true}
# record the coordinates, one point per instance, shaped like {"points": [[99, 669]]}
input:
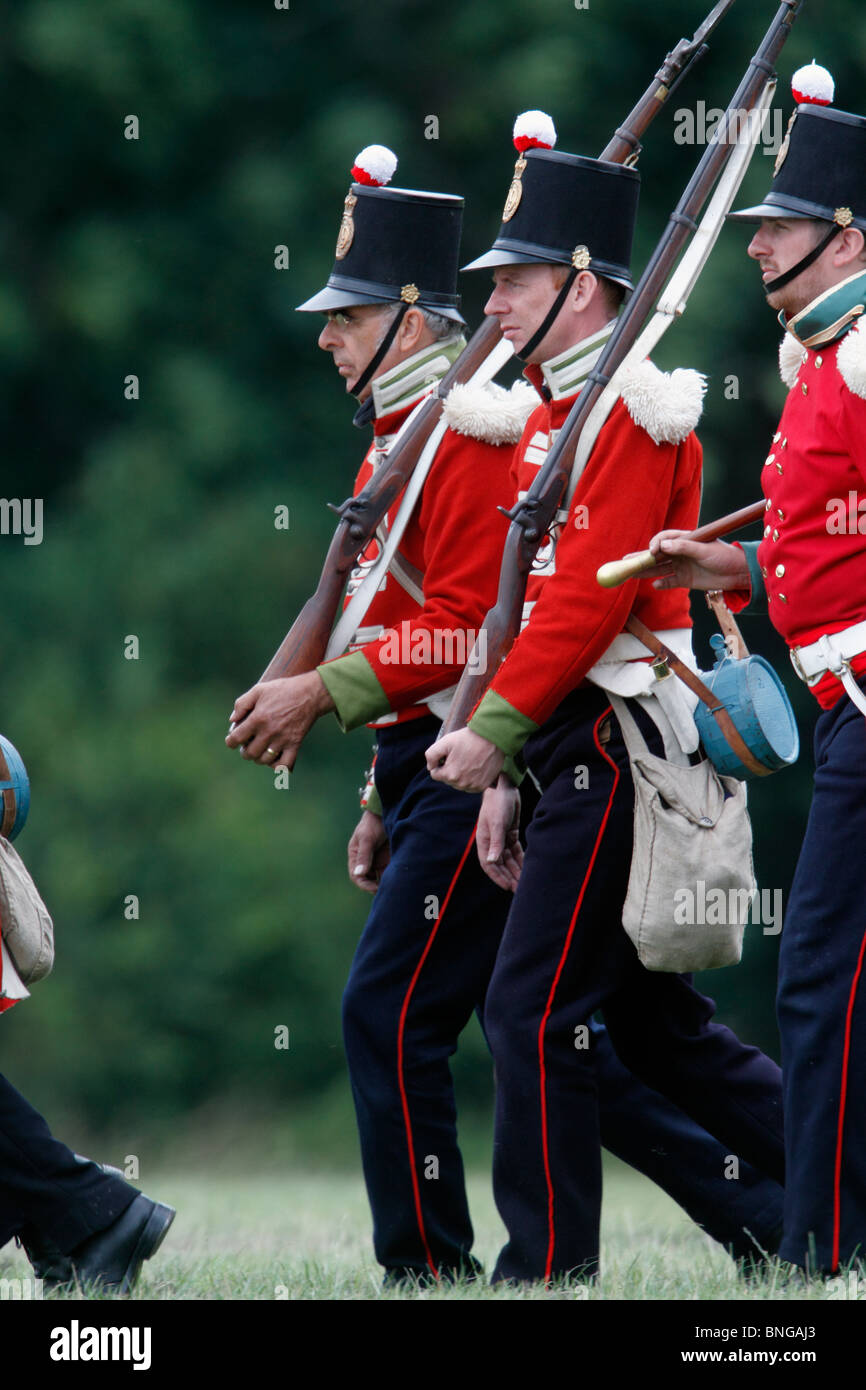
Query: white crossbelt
{"points": [[354, 612], [672, 302], [833, 653]]}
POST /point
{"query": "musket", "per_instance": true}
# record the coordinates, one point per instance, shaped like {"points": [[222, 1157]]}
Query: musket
{"points": [[616, 572], [304, 646], [625, 147], [533, 516]]}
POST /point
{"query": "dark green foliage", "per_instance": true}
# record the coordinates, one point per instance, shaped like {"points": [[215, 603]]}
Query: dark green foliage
{"points": [[155, 257]]}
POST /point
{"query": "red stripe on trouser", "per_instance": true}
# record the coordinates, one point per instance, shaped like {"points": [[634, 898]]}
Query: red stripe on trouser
{"points": [[403, 1012], [559, 969], [843, 1093]]}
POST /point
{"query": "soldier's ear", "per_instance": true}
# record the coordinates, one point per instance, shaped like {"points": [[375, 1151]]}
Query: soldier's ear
{"points": [[584, 288], [411, 330], [850, 246], [860, 241]]}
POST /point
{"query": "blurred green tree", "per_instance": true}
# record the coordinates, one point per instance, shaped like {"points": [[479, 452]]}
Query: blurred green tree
{"points": [[147, 248]]}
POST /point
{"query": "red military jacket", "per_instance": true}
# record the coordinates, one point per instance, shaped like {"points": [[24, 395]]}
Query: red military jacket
{"points": [[420, 627], [812, 557], [644, 474]]}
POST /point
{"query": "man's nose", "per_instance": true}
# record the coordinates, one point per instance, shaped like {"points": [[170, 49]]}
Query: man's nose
{"points": [[327, 337], [495, 303]]}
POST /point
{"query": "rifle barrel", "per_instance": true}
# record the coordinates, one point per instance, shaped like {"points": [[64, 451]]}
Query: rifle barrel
{"points": [[532, 517]]}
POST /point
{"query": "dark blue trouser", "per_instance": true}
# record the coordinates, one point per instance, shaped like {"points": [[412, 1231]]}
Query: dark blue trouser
{"points": [[44, 1184], [565, 954], [822, 1008], [422, 966]]}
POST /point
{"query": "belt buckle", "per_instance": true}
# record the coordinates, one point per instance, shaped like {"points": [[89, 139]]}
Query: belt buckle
{"points": [[794, 654], [833, 659]]}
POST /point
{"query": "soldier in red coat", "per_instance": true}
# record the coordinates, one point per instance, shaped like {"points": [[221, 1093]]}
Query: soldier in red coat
{"points": [[560, 266], [426, 953], [810, 568]]}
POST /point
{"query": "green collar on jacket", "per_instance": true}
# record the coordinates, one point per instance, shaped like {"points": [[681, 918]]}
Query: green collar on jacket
{"points": [[830, 315], [406, 383]]}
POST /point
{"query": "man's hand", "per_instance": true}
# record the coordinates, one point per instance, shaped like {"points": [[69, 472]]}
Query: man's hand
{"points": [[465, 760], [369, 852], [500, 852], [685, 564], [272, 719]]}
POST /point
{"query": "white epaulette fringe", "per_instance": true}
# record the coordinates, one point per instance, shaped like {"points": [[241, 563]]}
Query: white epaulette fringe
{"points": [[792, 355], [851, 360], [668, 405], [490, 413]]}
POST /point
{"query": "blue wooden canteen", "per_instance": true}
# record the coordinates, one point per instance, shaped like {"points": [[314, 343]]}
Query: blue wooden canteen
{"points": [[755, 699], [14, 790]]}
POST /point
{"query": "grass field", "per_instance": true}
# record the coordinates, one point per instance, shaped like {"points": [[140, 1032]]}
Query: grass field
{"points": [[306, 1236]]}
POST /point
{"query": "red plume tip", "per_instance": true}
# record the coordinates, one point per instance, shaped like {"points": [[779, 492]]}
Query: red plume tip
{"points": [[534, 130], [374, 166], [813, 85]]}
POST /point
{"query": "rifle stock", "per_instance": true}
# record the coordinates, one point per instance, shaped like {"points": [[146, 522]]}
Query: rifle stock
{"points": [[501, 627], [535, 513], [304, 646]]}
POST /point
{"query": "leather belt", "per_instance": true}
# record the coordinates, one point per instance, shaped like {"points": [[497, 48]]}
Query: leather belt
{"points": [[833, 652], [668, 659]]}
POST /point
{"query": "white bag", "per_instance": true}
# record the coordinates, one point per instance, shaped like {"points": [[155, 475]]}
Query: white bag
{"points": [[25, 923], [692, 859]]}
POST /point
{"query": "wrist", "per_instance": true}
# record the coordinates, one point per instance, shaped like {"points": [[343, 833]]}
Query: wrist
{"points": [[323, 701]]}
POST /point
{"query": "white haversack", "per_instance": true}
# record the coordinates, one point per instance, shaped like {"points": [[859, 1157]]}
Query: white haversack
{"points": [[25, 922], [691, 832]]}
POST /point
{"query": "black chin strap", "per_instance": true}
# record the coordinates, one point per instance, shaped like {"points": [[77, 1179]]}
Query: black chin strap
{"points": [[782, 280], [365, 412], [379, 355], [527, 350]]}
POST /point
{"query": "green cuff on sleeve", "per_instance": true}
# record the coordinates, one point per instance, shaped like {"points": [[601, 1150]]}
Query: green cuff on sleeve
{"points": [[759, 591], [372, 801], [515, 768], [500, 723], [355, 690]]}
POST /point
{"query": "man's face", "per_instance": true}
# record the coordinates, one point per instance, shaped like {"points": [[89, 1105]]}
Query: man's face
{"points": [[778, 245], [352, 336], [521, 299]]}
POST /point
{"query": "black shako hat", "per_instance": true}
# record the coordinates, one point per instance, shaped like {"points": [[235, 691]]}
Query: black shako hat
{"points": [[821, 165], [395, 245], [565, 209]]}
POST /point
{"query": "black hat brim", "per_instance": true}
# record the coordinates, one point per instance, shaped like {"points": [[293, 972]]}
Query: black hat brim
{"points": [[329, 300], [494, 258], [766, 210], [789, 209]]}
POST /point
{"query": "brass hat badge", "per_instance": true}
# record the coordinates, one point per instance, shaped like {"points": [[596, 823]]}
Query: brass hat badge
{"points": [[515, 192], [347, 226]]}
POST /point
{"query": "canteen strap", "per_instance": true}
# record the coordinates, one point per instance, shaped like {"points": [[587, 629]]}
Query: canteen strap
{"points": [[734, 640], [703, 692]]}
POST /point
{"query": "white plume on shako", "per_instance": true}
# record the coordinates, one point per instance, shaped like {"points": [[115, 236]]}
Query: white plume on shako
{"points": [[375, 166]]}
